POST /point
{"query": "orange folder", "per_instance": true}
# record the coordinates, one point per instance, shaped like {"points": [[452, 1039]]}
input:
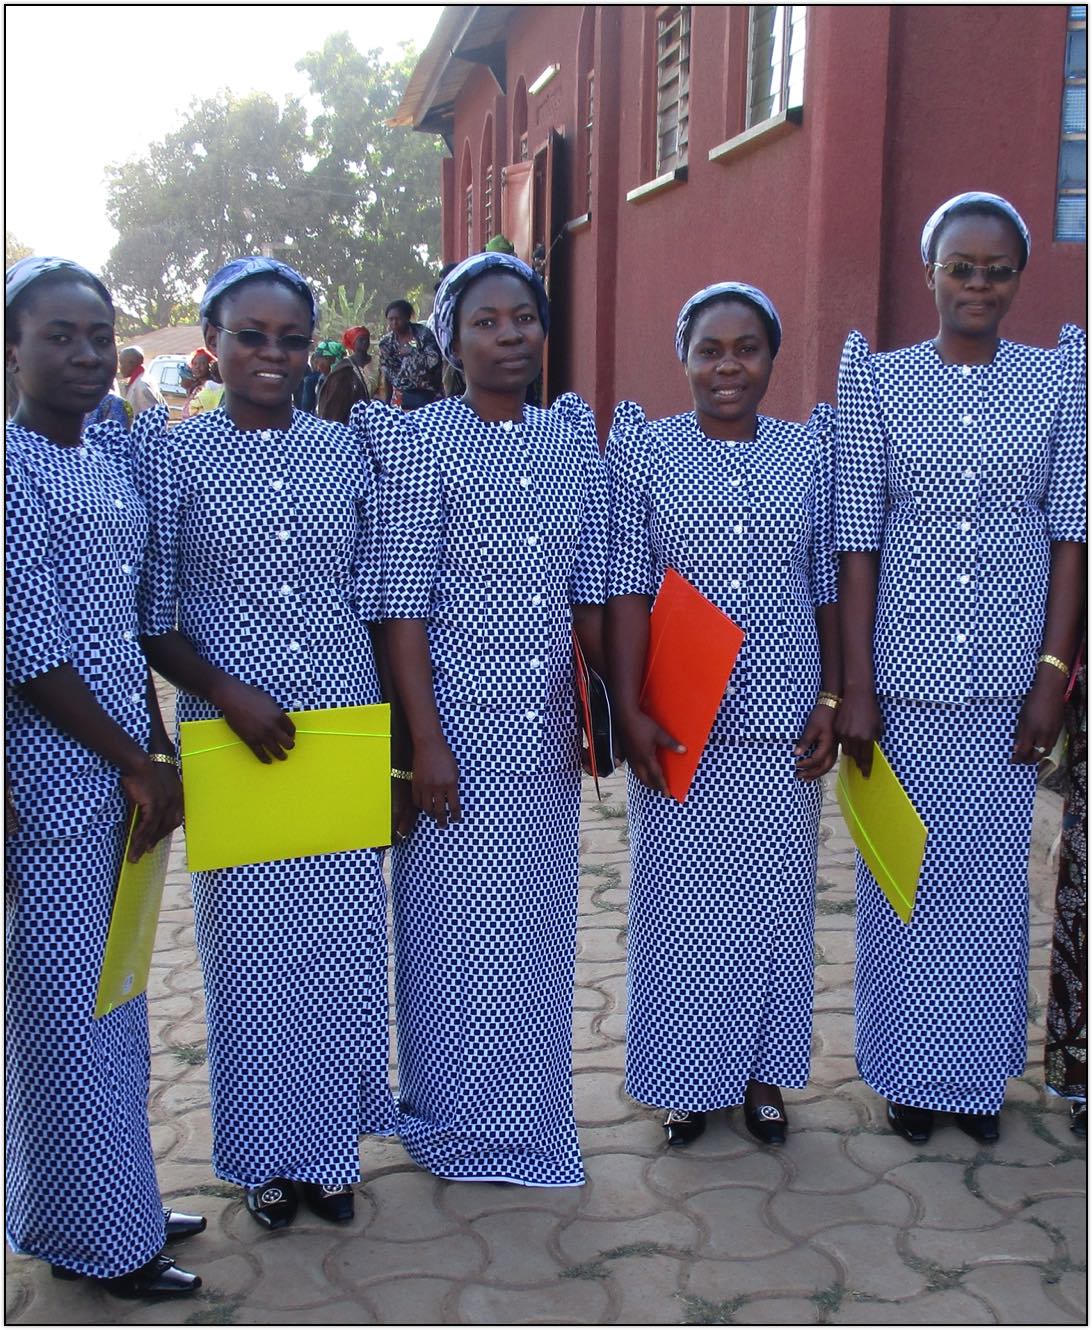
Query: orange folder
{"points": [[692, 649]]}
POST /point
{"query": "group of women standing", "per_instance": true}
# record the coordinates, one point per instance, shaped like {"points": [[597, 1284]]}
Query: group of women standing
{"points": [[268, 561]]}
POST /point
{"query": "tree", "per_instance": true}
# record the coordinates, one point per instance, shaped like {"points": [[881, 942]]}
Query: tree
{"points": [[14, 249], [376, 187], [347, 200]]}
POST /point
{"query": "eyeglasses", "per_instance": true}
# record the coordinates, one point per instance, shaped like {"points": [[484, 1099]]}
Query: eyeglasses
{"points": [[253, 339], [962, 271]]}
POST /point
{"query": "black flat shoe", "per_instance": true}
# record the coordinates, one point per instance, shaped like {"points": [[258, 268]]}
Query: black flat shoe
{"points": [[274, 1203], [333, 1203], [682, 1127], [179, 1225], [766, 1123], [984, 1127], [914, 1124], [160, 1278]]}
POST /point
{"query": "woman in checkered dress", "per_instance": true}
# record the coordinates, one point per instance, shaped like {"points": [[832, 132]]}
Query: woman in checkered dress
{"points": [[84, 741], [722, 902], [262, 522], [493, 522], [960, 514]]}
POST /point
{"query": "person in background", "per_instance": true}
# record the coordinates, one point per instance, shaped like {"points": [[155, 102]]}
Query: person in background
{"points": [[112, 407], [318, 368], [204, 392], [722, 905], [961, 521], [345, 385], [134, 386], [410, 359], [85, 743], [1066, 1053], [257, 597], [493, 527], [451, 379]]}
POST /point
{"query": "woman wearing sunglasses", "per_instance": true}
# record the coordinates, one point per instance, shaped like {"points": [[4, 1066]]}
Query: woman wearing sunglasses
{"points": [[961, 517], [262, 522]]}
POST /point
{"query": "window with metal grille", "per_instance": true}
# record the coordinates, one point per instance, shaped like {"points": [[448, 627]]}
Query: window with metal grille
{"points": [[487, 205], [775, 60], [589, 134], [672, 86], [471, 248], [523, 151], [1071, 217]]}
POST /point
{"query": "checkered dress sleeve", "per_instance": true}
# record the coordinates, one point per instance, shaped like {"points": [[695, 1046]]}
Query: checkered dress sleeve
{"points": [[1067, 488], [860, 494], [410, 510], [824, 557], [155, 473], [36, 638], [588, 577], [630, 570]]}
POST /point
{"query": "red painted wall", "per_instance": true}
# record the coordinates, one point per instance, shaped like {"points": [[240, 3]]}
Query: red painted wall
{"points": [[903, 107]]}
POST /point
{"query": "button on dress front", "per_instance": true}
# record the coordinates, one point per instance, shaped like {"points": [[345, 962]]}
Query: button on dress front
{"points": [[722, 901], [262, 549], [490, 533], [81, 1182], [961, 476]]}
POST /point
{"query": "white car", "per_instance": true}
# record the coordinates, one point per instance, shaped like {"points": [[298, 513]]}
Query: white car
{"points": [[165, 372]]}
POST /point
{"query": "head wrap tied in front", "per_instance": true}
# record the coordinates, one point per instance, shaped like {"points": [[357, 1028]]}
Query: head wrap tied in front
{"points": [[20, 275], [256, 265], [993, 201], [751, 294], [330, 349], [460, 277], [350, 336]]}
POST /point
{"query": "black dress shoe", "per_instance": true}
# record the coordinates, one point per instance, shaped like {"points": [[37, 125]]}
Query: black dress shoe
{"points": [[333, 1203], [915, 1124], [984, 1127], [682, 1127], [274, 1203], [179, 1225], [766, 1123], [160, 1278]]}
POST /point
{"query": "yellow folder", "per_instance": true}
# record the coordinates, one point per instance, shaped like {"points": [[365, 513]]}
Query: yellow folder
{"points": [[886, 828], [131, 938], [332, 792]]}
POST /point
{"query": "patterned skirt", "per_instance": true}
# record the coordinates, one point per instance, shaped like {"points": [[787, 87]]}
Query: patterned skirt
{"points": [[942, 1002], [81, 1183], [722, 929], [485, 942], [294, 956]]}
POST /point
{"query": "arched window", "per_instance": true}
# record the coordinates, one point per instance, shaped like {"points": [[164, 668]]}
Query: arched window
{"points": [[489, 225], [520, 151], [585, 111], [466, 194]]}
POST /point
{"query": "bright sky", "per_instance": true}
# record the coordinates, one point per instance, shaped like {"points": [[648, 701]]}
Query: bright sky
{"points": [[91, 85]]}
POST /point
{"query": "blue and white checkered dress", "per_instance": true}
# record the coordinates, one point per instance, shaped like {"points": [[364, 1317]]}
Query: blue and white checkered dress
{"points": [[961, 476], [490, 533], [262, 547], [81, 1183], [722, 902]]}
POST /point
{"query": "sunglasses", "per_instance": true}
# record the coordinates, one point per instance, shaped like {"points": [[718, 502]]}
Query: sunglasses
{"points": [[962, 271], [254, 340]]}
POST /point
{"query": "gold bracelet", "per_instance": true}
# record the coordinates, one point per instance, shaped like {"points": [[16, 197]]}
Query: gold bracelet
{"points": [[398, 774], [1053, 660], [831, 700], [164, 757]]}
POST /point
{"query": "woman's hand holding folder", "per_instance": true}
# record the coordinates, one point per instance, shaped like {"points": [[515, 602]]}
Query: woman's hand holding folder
{"points": [[261, 724], [641, 737]]}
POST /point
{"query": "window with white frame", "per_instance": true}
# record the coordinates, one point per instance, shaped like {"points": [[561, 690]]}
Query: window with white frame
{"points": [[672, 86], [1071, 218], [775, 60]]}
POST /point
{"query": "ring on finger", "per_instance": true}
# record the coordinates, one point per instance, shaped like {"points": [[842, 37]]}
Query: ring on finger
{"points": [[1038, 748]]}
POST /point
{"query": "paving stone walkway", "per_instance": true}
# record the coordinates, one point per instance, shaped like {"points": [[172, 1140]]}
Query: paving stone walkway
{"points": [[845, 1225]]}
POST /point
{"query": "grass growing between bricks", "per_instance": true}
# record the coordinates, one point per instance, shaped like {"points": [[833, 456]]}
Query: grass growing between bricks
{"points": [[697, 1311], [597, 1268], [192, 1055], [218, 1312]]}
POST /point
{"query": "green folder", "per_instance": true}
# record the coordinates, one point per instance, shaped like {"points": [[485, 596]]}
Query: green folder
{"points": [[138, 895], [332, 792], [886, 828]]}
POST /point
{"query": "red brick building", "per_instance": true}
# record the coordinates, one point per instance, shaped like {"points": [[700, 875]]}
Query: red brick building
{"points": [[654, 149]]}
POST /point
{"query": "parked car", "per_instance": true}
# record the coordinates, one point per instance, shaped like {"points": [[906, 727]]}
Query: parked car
{"points": [[165, 372]]}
